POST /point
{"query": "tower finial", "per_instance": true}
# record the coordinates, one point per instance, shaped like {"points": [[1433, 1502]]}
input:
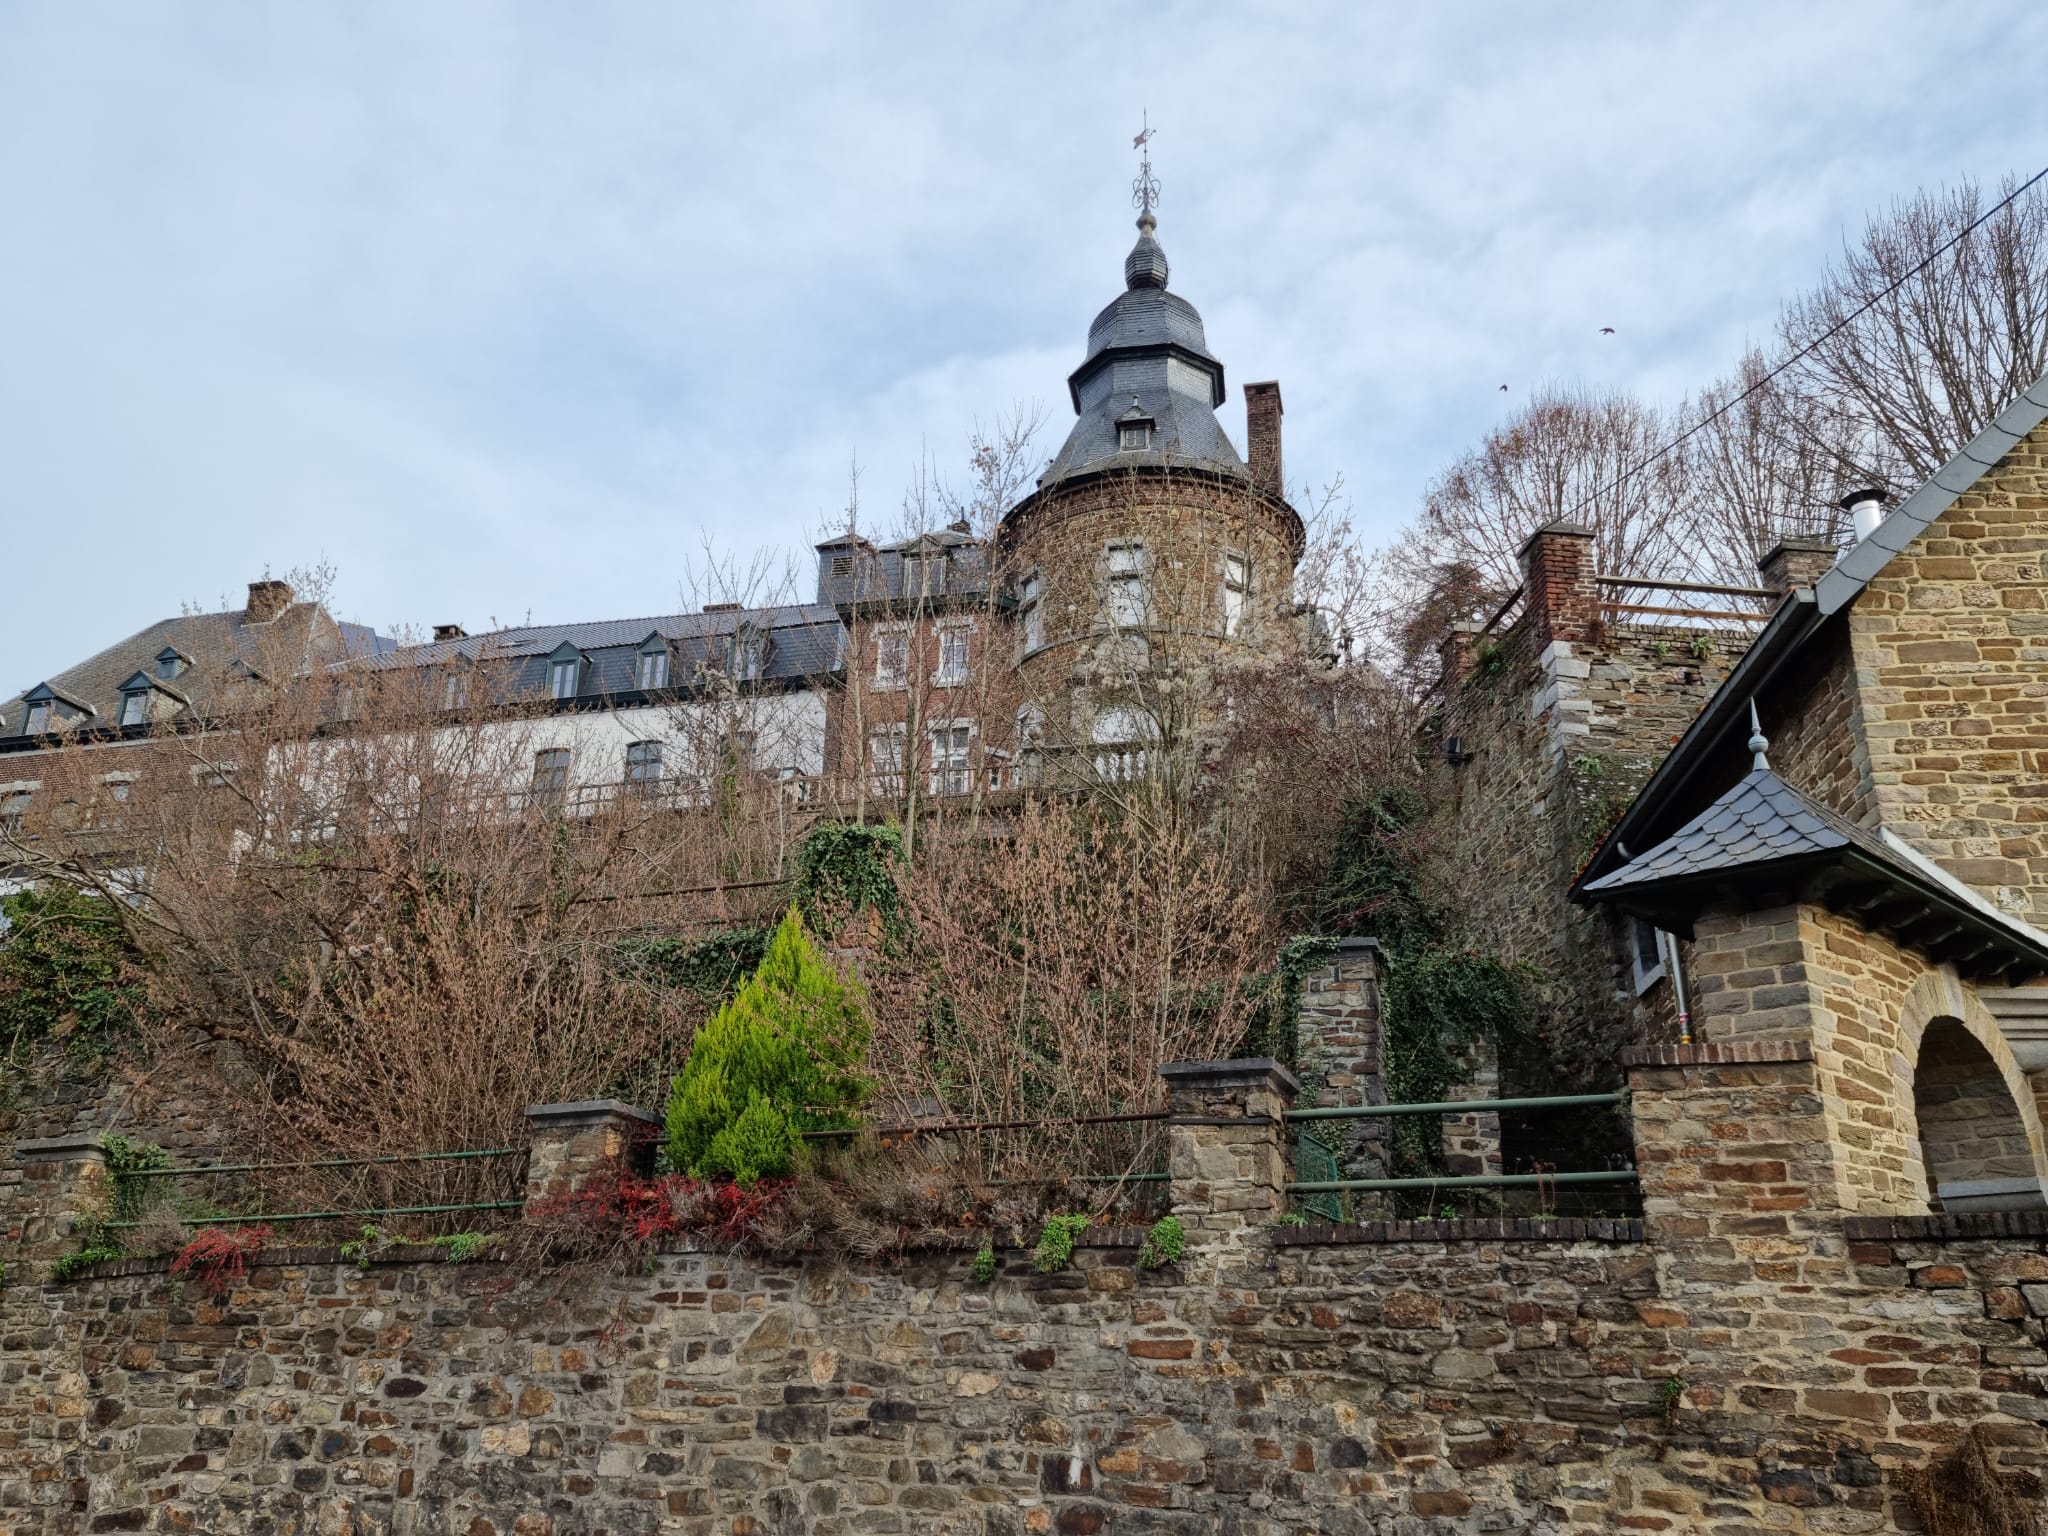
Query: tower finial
{"points": [[1758, 742], [1145, 189]]}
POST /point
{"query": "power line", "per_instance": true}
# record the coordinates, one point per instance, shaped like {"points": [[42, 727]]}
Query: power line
{"points": [[1828, 335]]}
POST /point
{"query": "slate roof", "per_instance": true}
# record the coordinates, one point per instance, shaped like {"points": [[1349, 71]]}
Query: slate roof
{"points": [[1800, 618], [852, 571], [213, 643], [803, 643], [1147, 349], [1765, 833], [1760, 821]]}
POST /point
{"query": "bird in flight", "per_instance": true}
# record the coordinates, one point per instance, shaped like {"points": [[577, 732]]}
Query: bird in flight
{"points": [[1503, 389], [1606, 330]]}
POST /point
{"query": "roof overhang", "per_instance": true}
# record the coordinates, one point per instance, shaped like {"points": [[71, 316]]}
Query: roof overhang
{"points": [[1886, 895]]}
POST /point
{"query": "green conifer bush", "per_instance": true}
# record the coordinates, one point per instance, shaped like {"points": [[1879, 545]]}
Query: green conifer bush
{"points": [[783, 1057]]}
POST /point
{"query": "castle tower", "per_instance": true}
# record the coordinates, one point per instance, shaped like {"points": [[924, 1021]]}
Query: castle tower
{"points": [[1151, 551]]}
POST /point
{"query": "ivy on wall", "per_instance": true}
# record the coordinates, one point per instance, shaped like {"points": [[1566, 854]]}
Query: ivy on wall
{"points": [[67, 975]]}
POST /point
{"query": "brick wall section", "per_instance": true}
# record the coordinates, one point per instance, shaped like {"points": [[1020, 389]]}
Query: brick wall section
{"points": [[1970, 1128], [1951, 655], [1557, 584], [1815, 726], [1862, 1004]]}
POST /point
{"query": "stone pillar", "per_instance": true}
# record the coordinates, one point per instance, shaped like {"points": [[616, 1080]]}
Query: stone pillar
{"points": [[1338, 1046], [1228, 1146], [63, 1177], [1456, 653], [1561, 599], [572, 1142], [1472, 1140]]}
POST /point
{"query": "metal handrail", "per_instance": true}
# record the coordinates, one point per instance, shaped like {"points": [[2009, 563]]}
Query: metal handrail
{"points": [[1466, 1181], [1683, 586], [382, 1210], [1453, 1106], [333, 1162]]}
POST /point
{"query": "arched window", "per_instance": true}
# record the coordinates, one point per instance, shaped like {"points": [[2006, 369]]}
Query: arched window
{"points": [[1972, 1138]]}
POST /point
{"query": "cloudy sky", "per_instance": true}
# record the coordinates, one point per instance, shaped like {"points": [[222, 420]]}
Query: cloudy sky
{"points": [[502, 310]]}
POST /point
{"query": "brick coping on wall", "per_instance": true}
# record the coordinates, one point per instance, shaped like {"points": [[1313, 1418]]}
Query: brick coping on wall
{"points": [[1466, 1229], [1946, 1227], [1717, 1053]]}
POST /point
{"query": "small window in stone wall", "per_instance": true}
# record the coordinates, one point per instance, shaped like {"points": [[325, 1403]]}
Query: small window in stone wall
{"points": [[1646, 954]]}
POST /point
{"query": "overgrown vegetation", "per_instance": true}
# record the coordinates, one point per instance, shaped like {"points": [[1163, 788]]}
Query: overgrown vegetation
{"points": [[1164, 1244], [1964, 1492], [1055, 1248], [67, 972]]}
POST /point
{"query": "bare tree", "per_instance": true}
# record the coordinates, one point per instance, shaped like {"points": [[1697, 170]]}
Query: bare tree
{"points": [[1927, 328], [1569, 454]]}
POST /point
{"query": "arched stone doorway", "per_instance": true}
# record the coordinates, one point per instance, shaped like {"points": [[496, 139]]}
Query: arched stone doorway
{"points": [[1973, 1136]]}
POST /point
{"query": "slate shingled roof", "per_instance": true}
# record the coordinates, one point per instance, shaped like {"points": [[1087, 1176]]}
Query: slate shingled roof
{"points": [[212, 643], [803, 644], [1762, 820], [1763, 832]]}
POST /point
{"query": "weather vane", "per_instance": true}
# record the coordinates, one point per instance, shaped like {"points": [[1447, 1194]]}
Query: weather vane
{"points": [[1145, 189]]}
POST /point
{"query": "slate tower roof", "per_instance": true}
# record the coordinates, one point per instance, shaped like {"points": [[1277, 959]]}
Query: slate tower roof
{"points": [[1148, 367]]}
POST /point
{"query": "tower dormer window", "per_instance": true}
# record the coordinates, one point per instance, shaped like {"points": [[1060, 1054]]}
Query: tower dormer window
{"points": [[1132, 435]]}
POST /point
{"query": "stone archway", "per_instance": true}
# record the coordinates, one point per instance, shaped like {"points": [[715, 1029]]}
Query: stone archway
{"points": [[1974, 1122]]}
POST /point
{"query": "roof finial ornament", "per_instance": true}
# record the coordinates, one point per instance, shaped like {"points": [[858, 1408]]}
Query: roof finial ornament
{"points": [[1145, 189], [1758, 742]]}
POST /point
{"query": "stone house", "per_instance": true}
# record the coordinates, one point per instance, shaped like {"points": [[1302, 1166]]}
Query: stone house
{"points": [[1850, 842]]}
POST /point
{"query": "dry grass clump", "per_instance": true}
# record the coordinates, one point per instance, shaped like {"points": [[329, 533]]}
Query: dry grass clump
{"points": [[1966, 1493]]}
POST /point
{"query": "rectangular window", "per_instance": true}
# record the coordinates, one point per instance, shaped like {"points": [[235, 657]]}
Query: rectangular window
{"points": [[1134, 434], [1126, 567], [551, 775], [1646, 954], [749, 653], [892, 658], [952, 657], [562, 678], [455, 691], [643, 762], [1237, 586], [38, 718], [952, 746], [167, 667], [885, 761], [923, 575], [134, 708], [652, 671], [13, 808], [1031, 610]]}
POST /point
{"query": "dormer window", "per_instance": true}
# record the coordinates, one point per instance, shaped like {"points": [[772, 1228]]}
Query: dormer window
{"points": [[565, 672], [924, 574], [170, 665], [749, 655], [650, 667], [134, 707], [1133, 429], [40, 714]]}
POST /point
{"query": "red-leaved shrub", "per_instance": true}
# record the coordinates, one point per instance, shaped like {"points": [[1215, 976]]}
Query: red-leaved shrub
{"points": [[219, 1256]]}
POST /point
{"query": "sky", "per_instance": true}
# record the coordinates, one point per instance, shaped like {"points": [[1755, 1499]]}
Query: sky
{"points": [[511, 312]]}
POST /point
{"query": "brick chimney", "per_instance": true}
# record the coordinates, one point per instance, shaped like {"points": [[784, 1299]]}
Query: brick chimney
{"points": [[1557, 583], [1457, 651], [1262, 437], [267, 599], [1795, 563], [450, 632]]}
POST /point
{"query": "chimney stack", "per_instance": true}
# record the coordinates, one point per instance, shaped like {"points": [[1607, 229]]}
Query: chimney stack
{"points": [[267, 599], [1865, 509], [1262, 437], [450, 632], [1795, 563], [1561, 598]]}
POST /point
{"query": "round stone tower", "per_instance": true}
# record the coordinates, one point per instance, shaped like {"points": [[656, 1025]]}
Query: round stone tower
{"points": [[1150, 553]]}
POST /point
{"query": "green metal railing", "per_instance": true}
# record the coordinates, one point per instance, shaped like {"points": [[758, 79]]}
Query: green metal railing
{"points": [[1321, 1192], [203, 1170]]}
